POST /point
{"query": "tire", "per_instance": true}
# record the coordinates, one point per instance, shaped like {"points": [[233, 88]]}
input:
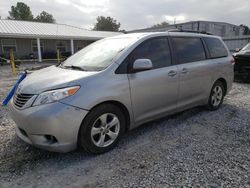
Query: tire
{"points": [[217, 95], [101, 129]]}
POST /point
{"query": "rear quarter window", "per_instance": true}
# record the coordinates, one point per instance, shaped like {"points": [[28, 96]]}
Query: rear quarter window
{"points": [[216, 48]]}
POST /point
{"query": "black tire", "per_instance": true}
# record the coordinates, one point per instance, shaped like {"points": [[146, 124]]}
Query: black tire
{"points": [[85, 139], [211, 105]]}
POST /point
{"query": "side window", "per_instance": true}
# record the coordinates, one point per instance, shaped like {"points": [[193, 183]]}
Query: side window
{"points": [[157, 50], [216, 48], [188, 49]]}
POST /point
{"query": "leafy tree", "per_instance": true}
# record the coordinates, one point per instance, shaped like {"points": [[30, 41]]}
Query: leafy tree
{"points": [[45, 17], [162, 24], [246, 29], [106, 24], [20, 12]]}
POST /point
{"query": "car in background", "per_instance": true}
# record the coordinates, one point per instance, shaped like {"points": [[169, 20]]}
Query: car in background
{"points": [[242, 64]]}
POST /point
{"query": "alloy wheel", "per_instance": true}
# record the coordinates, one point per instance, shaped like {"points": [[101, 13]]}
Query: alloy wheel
{"points": [[217, 96], [105, 130]]}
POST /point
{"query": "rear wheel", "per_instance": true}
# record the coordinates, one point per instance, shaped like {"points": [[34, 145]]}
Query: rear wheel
{"points": [[216, 96], [101, 129]]}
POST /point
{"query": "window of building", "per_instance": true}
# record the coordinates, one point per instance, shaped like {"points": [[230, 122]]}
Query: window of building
{"points": [[8, 44], [61, 46], [80, 45], [34, 46], [157, 50], [216, 48], [188, 49]]}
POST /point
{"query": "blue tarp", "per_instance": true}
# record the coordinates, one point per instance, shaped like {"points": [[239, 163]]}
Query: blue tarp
{"points": [[12, 91]]}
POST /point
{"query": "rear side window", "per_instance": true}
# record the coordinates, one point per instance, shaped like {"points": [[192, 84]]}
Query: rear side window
{"points": [[188, 49], [216, 48], [156, 49]]}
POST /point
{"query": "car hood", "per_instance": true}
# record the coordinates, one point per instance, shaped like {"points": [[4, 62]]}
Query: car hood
{"points": [[51, 78], [242, 53]]}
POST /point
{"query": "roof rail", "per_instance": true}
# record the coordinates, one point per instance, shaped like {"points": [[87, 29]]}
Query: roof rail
{"points": [[189, 31]]}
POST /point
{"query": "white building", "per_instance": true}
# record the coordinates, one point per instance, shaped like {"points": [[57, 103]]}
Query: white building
{"points": [[42, 40]]}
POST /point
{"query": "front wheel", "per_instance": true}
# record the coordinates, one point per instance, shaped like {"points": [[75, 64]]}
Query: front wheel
{"points": [[101, 129], [216, 96]]}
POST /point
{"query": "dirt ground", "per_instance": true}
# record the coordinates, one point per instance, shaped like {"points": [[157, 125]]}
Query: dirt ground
{"points": [[192, 149]]}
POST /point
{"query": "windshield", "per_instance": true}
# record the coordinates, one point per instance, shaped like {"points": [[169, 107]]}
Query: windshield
{"points": [[246, 48], [98, 55]]}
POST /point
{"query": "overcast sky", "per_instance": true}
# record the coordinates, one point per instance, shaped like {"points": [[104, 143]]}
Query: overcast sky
{"points": [[135, 14]]}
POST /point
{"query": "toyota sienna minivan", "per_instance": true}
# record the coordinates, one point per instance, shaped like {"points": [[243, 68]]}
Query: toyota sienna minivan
{"points": [[117, 84]]}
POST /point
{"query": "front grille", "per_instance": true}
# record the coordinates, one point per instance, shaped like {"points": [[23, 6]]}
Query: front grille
{"points": [[21, 99]]}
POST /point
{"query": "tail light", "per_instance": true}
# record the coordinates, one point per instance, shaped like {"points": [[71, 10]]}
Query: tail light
{"points": [[232, 61]]}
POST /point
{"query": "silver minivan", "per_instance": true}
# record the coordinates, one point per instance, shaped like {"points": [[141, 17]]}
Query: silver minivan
{"points": [[117, 84]]}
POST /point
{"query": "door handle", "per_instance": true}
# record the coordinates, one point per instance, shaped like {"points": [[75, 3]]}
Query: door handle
{"points": [[184, 71], [172, 73]]}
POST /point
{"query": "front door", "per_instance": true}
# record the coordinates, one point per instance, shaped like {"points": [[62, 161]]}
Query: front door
{"points": [[153, 92]]}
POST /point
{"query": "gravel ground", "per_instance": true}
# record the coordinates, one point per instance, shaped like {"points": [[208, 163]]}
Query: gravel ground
{"points": [[192, 149]]}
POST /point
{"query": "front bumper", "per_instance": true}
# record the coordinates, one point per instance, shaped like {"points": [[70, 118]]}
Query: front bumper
{"points": [[52, 127]]}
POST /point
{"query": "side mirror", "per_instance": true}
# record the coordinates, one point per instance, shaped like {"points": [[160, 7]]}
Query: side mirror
{"points": [[142, 65], [237, 49]]}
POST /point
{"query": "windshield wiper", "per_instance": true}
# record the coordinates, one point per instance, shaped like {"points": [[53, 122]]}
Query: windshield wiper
{"points": [[75, 67]]}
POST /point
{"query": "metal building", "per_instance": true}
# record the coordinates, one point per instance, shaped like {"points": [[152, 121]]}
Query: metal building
{"points": [[216, 28], [234, 43]]}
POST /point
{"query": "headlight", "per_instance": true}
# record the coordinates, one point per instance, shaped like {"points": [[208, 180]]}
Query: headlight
{"points": [[55, 95]]}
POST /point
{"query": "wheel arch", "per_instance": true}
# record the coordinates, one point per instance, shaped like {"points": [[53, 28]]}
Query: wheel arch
{"points": [[224, 82], [120, 106]]}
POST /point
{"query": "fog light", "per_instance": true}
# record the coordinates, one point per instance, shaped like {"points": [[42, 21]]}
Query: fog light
{"points": [[51, 139], [23, 132]]}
